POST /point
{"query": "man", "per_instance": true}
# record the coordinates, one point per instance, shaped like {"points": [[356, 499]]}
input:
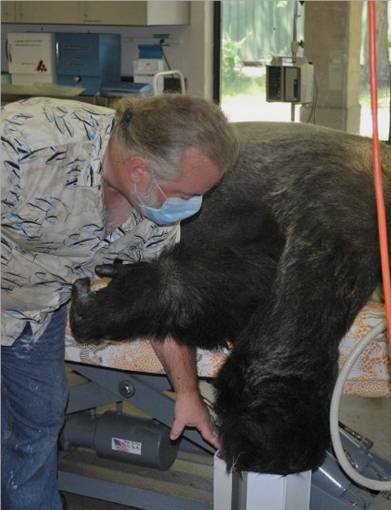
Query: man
{"points": [[84, 185]]}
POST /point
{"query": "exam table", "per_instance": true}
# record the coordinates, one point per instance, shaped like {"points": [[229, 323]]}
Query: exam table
{"points": [[128, 379]]}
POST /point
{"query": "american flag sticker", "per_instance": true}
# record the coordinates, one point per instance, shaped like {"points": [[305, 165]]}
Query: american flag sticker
{"points": [[126, 446]]}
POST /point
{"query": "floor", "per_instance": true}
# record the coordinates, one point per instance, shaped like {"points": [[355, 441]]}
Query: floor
{"points": [[370, 417]]}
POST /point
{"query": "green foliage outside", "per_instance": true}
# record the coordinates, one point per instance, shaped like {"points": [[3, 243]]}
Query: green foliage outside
{"points": [[243, 85], [383, 96], [231, 58], [234, 82]]}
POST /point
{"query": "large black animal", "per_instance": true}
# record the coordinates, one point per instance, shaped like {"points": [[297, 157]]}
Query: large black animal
{"points": [[279, 262]]}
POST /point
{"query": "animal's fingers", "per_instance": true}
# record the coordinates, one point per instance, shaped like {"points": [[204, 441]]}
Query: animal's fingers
{"points": [[81, 289], [110, 270]]}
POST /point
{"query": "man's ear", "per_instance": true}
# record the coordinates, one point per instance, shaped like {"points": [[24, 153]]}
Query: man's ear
{"points": [[138, 172]]}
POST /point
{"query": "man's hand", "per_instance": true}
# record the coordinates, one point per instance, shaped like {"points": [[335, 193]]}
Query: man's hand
{"points": [[191, 411], [180, 365]]}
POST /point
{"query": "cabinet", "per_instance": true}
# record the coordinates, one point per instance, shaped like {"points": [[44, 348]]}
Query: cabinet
{"points": [[158, 12], [48, 12], [120, 13], [168, 13], [8, 12], [114, 13]]}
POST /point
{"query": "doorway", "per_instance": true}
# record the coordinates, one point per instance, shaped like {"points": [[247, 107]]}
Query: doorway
{"points": [[252, 32]]}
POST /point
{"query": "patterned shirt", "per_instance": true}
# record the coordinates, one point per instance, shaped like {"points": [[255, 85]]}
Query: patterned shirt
{"points": [[53, 212]]}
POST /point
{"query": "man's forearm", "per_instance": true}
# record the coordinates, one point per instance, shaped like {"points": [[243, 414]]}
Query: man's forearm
{"points": [[180, 364]]}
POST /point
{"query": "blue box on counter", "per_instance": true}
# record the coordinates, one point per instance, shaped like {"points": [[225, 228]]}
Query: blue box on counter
{"points": [[88, 60]]}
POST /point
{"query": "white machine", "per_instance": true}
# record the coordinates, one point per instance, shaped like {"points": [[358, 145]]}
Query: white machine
{"points": [[158, 81], [289, 80], [31, 58], [144, 69], [152, 68]]}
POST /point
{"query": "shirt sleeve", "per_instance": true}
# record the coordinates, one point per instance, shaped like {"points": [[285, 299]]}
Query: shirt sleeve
{"points": [[10, 174]]}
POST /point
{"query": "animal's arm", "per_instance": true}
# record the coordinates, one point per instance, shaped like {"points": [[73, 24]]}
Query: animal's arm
{"points": [[200, 298], [274, 390]]}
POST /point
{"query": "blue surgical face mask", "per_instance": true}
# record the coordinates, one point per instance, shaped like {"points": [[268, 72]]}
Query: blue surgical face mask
{"points": [[174, 208]]}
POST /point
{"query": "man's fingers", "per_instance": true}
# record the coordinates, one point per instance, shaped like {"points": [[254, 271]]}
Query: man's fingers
{"points": [[176, 430], [211, 436], [207, 431]]}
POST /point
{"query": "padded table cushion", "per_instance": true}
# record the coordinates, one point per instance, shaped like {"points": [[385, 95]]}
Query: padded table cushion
{"points": [[369, 378], [371, 375]]}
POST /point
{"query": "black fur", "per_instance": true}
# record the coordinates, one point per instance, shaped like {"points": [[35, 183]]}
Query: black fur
{"points": [[171, 295], [280, 260]]}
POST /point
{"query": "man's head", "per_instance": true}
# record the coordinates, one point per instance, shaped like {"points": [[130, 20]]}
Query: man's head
{"points": [[170, 146]]}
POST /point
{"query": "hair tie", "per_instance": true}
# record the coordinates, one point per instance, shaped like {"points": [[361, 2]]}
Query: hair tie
{"points": [[126, 117]]}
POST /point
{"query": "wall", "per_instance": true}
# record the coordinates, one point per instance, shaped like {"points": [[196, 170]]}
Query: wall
{"points": [[190, 47], [332, 43], [130, 37], [198, 49]]}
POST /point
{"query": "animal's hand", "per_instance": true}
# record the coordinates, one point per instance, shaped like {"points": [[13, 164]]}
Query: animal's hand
{"points": [[125, 275], [82, 305], [112, 270], [120, 310], [81, 289], [80, 297], [90, 309]]}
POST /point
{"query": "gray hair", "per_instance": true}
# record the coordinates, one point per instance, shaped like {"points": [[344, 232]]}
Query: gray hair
{"points": [[161, 128]]}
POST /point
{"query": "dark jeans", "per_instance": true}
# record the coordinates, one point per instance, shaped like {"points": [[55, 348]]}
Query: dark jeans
{"points": [[34, 396]]}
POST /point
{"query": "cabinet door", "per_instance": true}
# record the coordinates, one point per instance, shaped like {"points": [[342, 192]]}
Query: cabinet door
{"points": [[162, 12], [114, 13], [158, 12], [122, 13], [48, 12], [8, 12]]}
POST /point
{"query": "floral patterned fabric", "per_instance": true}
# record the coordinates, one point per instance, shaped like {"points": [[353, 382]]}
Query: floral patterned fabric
{"points": [[369, 378], [371, 375]]}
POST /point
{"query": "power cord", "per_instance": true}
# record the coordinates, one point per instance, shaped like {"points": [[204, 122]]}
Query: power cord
{"points": [[164, 54]]}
